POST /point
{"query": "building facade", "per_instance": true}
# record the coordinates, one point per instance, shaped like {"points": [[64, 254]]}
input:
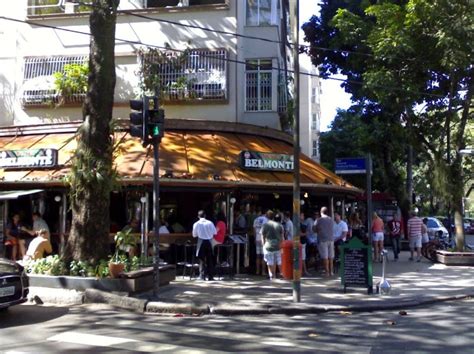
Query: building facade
{"points": [[310, 108], [236, 53]]}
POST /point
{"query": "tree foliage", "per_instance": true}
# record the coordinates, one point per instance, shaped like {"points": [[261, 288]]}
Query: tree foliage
{"points": [[412, 59]]}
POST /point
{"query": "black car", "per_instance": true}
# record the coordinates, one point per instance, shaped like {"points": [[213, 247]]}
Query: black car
{"points": [[13, 284]]}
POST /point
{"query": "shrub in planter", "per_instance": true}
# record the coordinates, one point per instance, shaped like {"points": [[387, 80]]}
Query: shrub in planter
{"points": [[124, 240]]}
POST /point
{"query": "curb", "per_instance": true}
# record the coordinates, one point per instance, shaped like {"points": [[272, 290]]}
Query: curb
{"points": [[292, 309], [124, 302]]}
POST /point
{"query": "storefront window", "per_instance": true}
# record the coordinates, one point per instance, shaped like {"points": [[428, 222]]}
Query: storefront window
{"points": [[259, 85]]}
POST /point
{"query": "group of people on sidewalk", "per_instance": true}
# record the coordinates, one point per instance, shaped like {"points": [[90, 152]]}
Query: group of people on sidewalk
{"points": [[321, 236]]}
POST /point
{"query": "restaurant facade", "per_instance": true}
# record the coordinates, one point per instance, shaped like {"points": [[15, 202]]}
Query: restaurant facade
{"points": [[215, 166]]}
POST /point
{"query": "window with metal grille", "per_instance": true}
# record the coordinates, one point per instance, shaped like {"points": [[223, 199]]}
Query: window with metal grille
{"points": [[38, 79], [282, 94], [258, 93], [200, 75], [46, 7], [180, 3]]}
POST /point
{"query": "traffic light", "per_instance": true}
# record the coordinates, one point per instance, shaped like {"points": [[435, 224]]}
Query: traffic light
{"points": [[157, 123], [139, 118]]}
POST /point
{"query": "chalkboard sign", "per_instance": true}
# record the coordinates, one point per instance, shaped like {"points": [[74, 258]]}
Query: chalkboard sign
{"points": [[356, 265]]}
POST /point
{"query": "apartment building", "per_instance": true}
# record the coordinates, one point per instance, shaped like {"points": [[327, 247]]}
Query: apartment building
{"points": [[225, 77], [310, 108], [222, 72]]}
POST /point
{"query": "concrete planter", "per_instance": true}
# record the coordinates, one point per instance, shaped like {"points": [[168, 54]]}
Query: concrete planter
{"points": [[455, 258], [136, 282]]}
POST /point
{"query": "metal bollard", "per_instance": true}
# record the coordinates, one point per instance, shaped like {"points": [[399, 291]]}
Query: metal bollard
{"points": [[384, 287]]}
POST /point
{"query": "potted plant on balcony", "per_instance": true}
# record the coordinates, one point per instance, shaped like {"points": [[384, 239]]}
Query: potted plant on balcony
{"points": [[124, 240], [71, 83]]}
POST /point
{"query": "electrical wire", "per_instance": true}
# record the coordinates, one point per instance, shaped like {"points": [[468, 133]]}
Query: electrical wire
{"points": [[140, 43], [229, 33]]}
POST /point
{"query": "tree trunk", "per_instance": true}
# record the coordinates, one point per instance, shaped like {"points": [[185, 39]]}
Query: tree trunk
{"points": [[92, 174]]}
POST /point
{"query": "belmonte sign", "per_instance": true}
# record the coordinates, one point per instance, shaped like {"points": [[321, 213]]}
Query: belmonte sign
{"points": [[38, 158], [266, 161]]}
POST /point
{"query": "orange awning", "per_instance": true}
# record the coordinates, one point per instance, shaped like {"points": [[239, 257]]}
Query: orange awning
{"points": [[187, 157]]}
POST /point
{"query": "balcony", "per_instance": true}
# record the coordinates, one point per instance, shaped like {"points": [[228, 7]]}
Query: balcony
{"points": [[39, 88], [199, 76], [55, 7]]}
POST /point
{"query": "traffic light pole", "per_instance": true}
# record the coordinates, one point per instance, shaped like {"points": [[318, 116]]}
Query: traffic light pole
{"points": [[156, 214]]}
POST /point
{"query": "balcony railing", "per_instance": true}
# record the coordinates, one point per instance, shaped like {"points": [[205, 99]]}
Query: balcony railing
{"points": [[38, 80], [47, 7], [201, 75]]}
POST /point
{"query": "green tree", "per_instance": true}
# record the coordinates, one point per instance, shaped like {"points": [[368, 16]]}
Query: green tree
{"points": [[91, 177], [412, 58]]}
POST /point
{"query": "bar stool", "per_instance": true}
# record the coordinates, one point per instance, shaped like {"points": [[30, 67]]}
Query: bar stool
{"points": [[224, 257]]}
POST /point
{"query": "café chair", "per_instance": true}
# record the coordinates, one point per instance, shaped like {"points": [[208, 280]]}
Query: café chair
{"points": [[188, 260]]}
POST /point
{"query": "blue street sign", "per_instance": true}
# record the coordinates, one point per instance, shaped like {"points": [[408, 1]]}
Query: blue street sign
{"points": [[350, 165]]}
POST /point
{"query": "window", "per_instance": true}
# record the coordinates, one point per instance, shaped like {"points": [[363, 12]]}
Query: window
{"points": [[38, 78], [314, 121], [46, 7], [313, 95], [258, 75], [261, 12], [315, 148], [432, 224], [179, 3], [201, 75]]}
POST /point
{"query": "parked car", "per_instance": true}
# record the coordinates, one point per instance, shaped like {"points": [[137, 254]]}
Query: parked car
{"points": [[13, 284], [436, 228], [469, 225]]}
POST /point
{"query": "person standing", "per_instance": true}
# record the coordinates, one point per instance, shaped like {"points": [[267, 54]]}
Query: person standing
{"points": [[204, 230], [340, 232], [221, 228], [288, 226], [325, 228], [377, 236], [414, 230], [272, 235], [395, 232], [13, 231], [258, 223], [425, 239], [356, 226]]}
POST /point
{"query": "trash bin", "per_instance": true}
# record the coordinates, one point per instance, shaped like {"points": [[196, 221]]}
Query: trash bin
{"points": [[287, 259]]}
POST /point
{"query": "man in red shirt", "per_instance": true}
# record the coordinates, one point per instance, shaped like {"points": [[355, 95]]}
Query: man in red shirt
{"points": [[414, 230]]}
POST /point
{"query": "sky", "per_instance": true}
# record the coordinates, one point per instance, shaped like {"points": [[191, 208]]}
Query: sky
{"points": [[333, 96]]}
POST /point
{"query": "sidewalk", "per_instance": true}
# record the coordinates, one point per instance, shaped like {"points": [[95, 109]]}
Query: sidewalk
{"points": [[412, 283]]}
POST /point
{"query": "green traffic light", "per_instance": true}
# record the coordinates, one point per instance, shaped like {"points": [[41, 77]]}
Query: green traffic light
{"points": [[156, 131]]}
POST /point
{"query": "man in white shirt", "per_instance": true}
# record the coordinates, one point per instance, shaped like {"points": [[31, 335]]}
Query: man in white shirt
{"points": [[340, 231], [288, 226], [204, 230], [258, 223]]}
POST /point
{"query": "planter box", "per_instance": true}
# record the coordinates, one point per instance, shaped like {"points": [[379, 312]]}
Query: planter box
{"points": [[455, 258], [139, 282]]}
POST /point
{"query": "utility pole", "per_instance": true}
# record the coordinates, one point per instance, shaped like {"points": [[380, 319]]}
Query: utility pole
{"points": [[294, 15]]}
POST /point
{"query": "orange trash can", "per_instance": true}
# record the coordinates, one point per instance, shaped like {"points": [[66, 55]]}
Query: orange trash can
{"points": [[287, 259]]}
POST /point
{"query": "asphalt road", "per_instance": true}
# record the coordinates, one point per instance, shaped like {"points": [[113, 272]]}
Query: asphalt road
{"points": [[443, 328]]}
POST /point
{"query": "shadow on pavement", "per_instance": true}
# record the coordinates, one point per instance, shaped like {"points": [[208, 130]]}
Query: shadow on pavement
{"points": [[23, 315]]}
